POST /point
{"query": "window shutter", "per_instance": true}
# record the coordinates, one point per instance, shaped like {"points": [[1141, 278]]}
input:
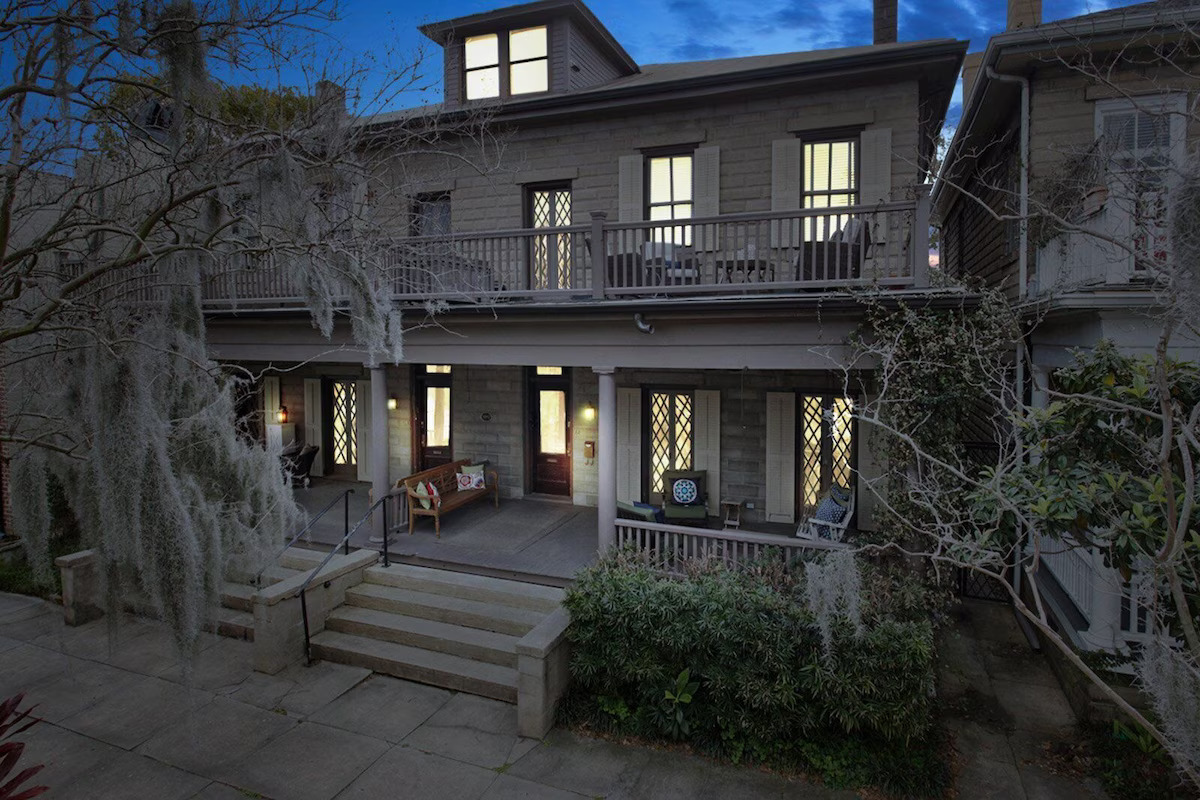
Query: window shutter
{"points": [[706, 444], [629, 444], [631, 203], [362, 424], [785, 190], [875, 181], [781, 457], [706, 196], [313, 423], [270, 399]]}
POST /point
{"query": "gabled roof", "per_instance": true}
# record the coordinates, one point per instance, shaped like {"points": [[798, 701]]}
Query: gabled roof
{"points": [[533, 14]]}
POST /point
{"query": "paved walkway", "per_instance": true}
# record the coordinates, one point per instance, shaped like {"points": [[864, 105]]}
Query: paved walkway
{"points": [[122, 724], [1005, 709]]}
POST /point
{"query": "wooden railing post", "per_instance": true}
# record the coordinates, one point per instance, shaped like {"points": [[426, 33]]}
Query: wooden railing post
{"points": [[920, 238], [599, 254]]}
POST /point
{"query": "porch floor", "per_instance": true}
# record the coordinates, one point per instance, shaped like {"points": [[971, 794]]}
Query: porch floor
{"points": [[532, 536]]}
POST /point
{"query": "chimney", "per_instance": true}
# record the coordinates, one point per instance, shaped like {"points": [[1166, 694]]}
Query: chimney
{"points": [[1024, 14], [885, 21]]}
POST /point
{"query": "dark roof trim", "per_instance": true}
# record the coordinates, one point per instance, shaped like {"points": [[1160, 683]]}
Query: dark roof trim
{"points": [[533, 13]]}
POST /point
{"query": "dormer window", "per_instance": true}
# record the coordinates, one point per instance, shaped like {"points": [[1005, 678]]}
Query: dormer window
{"points": [[497, 66]]}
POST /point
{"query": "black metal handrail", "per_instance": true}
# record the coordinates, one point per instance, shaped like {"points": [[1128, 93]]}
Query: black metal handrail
{"points": [[345, 541], [344, 497]]}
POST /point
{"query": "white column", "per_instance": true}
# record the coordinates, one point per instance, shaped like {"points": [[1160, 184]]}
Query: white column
{"points": [[606, 430], [379, 444]]}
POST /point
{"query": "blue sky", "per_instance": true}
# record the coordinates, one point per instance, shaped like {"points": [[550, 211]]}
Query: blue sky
{"points": [[682, 30]]}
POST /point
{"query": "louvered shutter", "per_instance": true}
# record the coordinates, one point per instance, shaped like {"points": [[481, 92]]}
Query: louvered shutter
{"points": [[781, 457], [631, 206], [706, 444], [706, 196], [270, 397], [785, 190], [875, 181], [313, 423], [362, 422], [629, 444]]}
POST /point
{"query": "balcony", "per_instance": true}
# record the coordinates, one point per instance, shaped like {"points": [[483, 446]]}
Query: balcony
{"points": [[731, 255]]}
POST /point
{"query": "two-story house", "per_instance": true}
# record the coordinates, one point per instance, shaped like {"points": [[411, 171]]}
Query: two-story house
{"points": [[654, 274], [1056, 187]]}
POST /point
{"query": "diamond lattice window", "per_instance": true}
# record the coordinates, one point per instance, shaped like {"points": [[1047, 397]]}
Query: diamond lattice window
{"points": [[826, 447], [345, 424], [550, 264], [670, 434]]}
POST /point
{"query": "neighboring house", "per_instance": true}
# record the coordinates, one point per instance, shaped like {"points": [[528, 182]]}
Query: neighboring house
{"points": [[1103, 101], [656, 277]]}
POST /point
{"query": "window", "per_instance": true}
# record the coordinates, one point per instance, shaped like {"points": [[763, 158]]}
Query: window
{"points": [[669, 195], [431, 215], [500, 66], [670, 434], [550, 261], [1142, 140], [826, 449], [549, 370], [829, 179]]}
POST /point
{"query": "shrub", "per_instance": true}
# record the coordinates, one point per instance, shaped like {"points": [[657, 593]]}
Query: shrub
{"points": [[768, 686]]}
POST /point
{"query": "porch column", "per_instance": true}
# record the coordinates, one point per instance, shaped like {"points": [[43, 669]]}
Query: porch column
{"points": [[606, 430], [380, 447]]}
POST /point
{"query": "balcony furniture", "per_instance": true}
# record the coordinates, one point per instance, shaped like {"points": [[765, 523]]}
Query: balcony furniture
{"points": [[750, 270], [434, 492], [445, 272], [684, 495], [731, 510], [840, 258], [639, 511], [657, 264], [832, 516]]}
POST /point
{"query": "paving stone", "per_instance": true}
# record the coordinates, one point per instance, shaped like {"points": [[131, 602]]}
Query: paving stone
{"points": [[309, 762], [591, 766], [977, 741], [1017, 663], [220, 668], [82, 684], [475, 730], [26, 668], [216, 737], [383, 707], [219, 791], [32, 623], [128, 718], [981, 779], [508, 787], [7, 643], [1041, 709], [67, 755], [127, 776], [1041, 784], [299, 690], [408, 772]]}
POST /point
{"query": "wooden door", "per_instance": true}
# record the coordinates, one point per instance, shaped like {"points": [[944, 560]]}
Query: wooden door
{"points": [[341, 427], [431, 418], [550, 431]]}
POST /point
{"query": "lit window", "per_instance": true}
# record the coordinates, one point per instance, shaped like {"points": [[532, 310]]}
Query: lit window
{"points": [[482, 62], [669, 195], [830, 180], [528, 65], [552, 427], [670, 434], [827, 447], [437, 416], [437, 369], [549, 370]]}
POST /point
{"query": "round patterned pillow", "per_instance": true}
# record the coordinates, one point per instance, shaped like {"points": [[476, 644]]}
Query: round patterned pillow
{"points": [[684, 491]]}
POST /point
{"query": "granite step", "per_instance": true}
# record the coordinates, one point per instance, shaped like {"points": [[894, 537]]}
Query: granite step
{"points": [[427, 634], [467, 586], [444, 608]]}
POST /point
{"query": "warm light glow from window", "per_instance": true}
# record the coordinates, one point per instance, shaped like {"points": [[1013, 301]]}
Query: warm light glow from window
{"points": [[549, 370], [528, 65], [437, 416], [830, 181], [437, 369], [552, 427], [670, 184], [481, 56]]}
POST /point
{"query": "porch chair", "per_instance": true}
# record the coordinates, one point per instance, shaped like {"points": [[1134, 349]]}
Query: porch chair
{"points": [[832, 517], [684, 496], [839, 258]]}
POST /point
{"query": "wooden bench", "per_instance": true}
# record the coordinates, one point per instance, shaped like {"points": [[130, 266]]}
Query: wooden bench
{"points": [[449, 496]]}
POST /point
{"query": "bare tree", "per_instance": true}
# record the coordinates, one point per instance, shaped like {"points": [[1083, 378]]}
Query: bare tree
{"points": [[143, 171]]}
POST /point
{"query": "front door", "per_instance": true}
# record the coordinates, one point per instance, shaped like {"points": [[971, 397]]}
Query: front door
{"points": [[341, 432], [431, 421], [550, 430]]}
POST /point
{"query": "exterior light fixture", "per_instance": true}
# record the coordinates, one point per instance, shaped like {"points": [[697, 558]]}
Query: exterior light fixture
{"points": [[281, 415], [589, 412], [393, 403]]}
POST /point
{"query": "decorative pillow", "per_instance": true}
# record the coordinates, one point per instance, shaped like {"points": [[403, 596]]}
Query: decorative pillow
{"points": [[840, 493], [433, 492], [478, 481], [422, 494], [686, 492], [829, 510], [464, 481], [473, 469]]}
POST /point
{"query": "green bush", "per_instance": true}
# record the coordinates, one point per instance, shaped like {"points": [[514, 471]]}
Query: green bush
{"points": [[766, 688]]}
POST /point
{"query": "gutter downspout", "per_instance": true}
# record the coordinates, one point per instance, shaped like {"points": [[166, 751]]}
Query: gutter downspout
{"points": [[1022, 265]]}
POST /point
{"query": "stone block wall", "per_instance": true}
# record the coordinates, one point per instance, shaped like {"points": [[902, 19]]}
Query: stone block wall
{"points": [[487, 421]]}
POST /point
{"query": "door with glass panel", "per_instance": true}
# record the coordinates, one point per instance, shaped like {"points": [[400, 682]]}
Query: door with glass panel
{"points": [[824, 448], [431, 420], [550, 430], [550, 253], [341, 427], [670, 433]]}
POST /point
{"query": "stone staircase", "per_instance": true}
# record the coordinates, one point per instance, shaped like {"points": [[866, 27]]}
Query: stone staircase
{"points": [[235, 617], [450, 629]]}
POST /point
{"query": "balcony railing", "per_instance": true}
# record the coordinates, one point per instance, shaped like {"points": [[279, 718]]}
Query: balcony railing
{"points": [[884, 245]]}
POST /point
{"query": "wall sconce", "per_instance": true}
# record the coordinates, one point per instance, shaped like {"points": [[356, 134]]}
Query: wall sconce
{"points": [[281, 415], [393, 403], [589, 412]]}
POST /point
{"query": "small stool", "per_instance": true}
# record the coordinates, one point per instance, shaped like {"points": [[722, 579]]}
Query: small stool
{"points": [[732, 511]]}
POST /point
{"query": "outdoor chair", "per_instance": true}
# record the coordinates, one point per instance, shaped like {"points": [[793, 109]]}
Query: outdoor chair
{"points": [[685, 493], [838, 259], [832, 516], [298, 461]]}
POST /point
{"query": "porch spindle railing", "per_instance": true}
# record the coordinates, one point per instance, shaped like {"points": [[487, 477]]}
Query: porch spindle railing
{"points": [[671, 546]]}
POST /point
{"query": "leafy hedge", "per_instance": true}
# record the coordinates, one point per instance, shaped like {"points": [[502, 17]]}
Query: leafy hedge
{"points": [[764, 685]]}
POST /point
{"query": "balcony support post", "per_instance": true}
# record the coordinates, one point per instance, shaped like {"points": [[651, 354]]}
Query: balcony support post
{"points": [[920, 238], [599, 256]]}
